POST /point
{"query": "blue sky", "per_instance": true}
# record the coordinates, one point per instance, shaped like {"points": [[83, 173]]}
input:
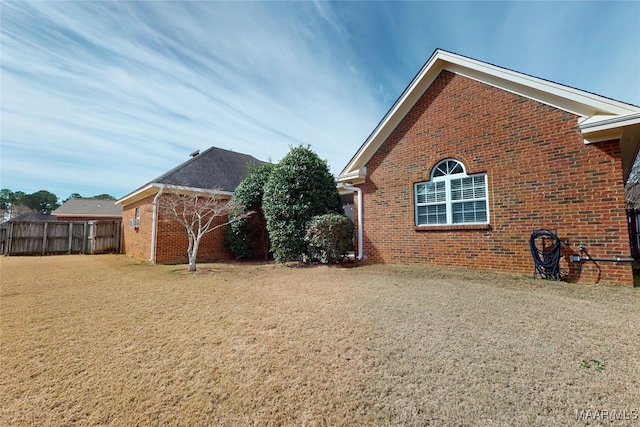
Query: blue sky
{"points": [[101, 97]]}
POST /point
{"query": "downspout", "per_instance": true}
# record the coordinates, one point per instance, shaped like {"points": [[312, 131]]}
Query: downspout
{"points": [[359, 192], [154, 225]]}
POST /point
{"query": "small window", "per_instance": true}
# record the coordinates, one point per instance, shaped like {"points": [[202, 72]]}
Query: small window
{"points": [[137, 213], [452, 196]]}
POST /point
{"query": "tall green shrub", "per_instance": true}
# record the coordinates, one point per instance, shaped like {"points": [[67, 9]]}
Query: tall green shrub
{"points": [[299, 188], [248, 237]]}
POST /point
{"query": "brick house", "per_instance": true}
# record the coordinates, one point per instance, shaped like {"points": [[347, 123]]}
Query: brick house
{"points": [[150, 234], [473, 157]]}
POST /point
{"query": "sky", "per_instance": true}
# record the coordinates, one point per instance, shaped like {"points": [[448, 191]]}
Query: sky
{"points": [[102, 97]]}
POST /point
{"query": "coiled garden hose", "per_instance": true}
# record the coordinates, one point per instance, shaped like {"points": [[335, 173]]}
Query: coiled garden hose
{"points": [[545, 250]]}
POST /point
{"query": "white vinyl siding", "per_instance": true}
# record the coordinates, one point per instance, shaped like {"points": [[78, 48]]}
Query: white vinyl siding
{"points": [[452, 197]]}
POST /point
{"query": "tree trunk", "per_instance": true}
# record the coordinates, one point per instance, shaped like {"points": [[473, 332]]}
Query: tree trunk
{"points": [[193, 254]]}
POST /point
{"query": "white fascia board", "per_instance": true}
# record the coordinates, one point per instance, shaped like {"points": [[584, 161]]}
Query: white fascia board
{"points": [[582, 104], [138, 194], [605, 128], [598, 123], [398, 111], [153, 188], [356, 177], [566, 98]]}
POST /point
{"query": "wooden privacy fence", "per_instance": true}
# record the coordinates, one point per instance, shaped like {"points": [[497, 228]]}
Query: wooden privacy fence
{"points": [[60, 237]]}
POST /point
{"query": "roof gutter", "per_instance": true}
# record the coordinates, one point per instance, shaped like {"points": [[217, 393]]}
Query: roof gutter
{"points": [[359, 192], [594, 124]]}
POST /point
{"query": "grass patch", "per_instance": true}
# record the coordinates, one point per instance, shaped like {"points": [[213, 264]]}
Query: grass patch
{"points": [[94, 340], [9, 294], [593, 363]]}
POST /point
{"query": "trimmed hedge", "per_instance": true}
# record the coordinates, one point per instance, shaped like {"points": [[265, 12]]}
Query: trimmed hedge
{"points": [[329, 238]]}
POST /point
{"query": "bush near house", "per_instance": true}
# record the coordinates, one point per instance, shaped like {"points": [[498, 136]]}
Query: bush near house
{"points": [[248, 237], [329, 237], [299, 188]]}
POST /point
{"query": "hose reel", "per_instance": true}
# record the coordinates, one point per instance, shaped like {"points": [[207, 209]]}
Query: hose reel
{"points": [[545, 250]]}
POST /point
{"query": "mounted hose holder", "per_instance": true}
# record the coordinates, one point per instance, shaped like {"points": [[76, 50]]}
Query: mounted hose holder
{"points": [[545, 250]]}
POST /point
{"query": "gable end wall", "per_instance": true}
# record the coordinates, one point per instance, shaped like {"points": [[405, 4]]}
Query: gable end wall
{"points": [[540, 175], [137, 241]]}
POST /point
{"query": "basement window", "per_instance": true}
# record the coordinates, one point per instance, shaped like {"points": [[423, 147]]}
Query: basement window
{"points": [[451, 196]]}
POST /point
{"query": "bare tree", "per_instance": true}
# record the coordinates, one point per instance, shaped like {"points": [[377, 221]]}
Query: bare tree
{"points": [[197, 212]]}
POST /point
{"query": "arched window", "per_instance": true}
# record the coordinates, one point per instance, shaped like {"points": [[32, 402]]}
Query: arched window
{"points": [[452, 196]]}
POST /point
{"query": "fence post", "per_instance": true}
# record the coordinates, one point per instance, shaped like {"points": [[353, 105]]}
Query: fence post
{"points": [[70, 238], [92, 237], [84, 238], [44, 239], [10, 238]]}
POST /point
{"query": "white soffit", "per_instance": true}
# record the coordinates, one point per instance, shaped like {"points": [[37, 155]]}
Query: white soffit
{"points": [[138, 194]]}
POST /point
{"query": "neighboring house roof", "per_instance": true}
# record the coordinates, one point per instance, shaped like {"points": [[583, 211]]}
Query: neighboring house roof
{"points": [[30, 216], [600, 118], [214, 168], [90, 208]]}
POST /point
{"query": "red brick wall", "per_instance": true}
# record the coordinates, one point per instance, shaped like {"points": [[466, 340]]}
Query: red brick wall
{"points": [[540, 175], [171, 239], [173, 243], [137, 241]]}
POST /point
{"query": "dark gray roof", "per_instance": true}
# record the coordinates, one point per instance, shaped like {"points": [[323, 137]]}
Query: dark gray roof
{"points": [[213, 168], [89, 207]]}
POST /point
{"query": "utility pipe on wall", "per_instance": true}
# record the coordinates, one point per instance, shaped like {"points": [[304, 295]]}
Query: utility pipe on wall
{"points": [[359, 192], [584, 257], [154, 226], [610, 259]]}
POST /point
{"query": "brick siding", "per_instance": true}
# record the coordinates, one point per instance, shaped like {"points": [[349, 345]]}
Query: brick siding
{"points": [[137, 241], [172, 241], [540, 175]]}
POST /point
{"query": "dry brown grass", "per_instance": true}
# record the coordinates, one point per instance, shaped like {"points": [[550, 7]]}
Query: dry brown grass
{"points": [[106, 340]]}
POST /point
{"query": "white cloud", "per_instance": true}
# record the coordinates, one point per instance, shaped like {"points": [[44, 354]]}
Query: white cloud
{"points": [[153, 82]]}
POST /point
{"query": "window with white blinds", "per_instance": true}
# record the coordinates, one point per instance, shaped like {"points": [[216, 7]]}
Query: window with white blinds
{"points": [[452, 196]]}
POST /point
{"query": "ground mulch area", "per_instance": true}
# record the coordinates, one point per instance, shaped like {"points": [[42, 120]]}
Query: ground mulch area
{"points": [[106, 340]]}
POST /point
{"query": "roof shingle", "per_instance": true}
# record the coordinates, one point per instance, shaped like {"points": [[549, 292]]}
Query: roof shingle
{"points": [[89, 207], [213, 168]]}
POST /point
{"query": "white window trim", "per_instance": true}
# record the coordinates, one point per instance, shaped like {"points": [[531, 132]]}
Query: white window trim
{"points": [[448, 200]]}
